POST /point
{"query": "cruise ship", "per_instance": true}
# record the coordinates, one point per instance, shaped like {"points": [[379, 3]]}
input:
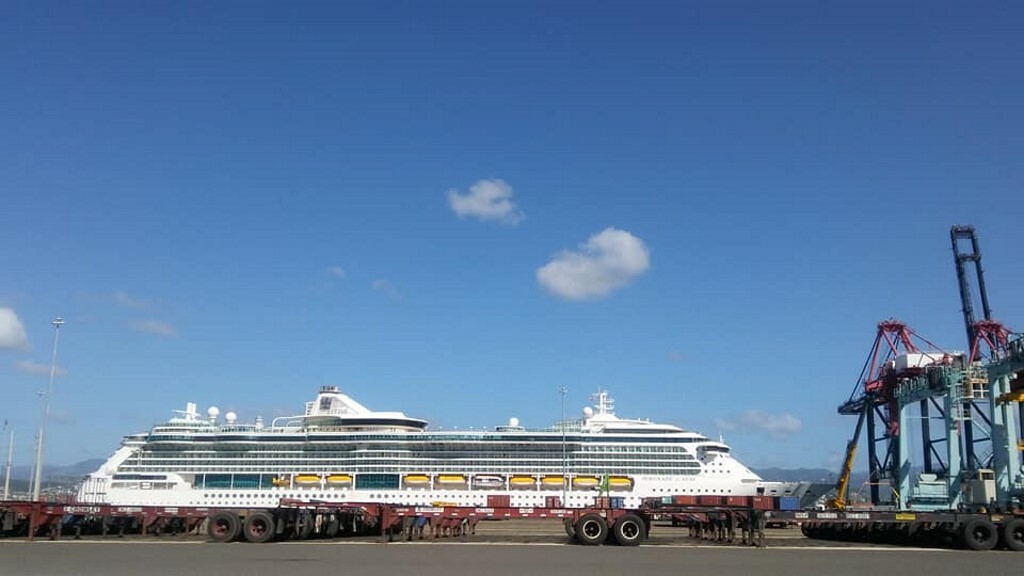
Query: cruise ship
{"points": [[339, 450]]}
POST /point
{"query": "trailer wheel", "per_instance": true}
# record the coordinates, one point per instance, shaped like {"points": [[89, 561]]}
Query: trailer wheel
{"points": [[979, 534], [224, 526], [1013, 534], [591, 530], [570, 528], [629, 530], [259, 527], [333, 526]]}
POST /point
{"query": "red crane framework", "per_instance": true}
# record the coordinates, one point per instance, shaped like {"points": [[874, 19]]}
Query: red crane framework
{"points": [[874, 402]]}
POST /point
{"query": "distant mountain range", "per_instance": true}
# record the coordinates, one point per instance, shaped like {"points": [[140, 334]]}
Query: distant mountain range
{"points": [[796, 474], [55, 473]]}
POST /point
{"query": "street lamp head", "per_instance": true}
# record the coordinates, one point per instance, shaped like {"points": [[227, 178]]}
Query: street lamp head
{"points": [[57, 322]]}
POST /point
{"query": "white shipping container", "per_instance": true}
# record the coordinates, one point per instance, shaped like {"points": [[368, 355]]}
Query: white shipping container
{"points": [[916, 360]]}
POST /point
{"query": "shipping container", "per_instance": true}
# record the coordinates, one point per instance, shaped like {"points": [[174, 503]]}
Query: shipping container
{"points": [[710, 500], [737, 500], [685, 500], [789, 503], [764, 503], [553, 502], [499, 500]]}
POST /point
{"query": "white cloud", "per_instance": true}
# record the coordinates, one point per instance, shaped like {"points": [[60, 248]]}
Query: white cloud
{"points": [[606, 262], [385, 287], [130, 302], [156, 327], [30, 367], [12, 331], [336, 271], [757, 421], [487, 200]]}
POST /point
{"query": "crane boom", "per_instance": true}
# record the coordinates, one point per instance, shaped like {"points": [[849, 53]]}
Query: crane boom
{"points": [[843, 482]]}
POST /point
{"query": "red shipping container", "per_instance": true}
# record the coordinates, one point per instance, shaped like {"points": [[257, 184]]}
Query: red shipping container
{"points": [[499, 501], [737, 500], [685, 500], [602, 502], [764, 502], [553, 502], [709, 500]]}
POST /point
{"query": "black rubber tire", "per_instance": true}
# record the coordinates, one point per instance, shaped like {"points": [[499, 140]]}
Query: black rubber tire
{"points": [[333, 527], [224, 526], [629, 530], [1013, 534], [570, 528], [305, 531], [979, 534], [259, 527], [591, 530]]}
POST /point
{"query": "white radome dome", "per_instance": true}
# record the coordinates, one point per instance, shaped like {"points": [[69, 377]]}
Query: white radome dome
{"points": [[513, 421], [231, 417], [213, 411], [588, 412]]}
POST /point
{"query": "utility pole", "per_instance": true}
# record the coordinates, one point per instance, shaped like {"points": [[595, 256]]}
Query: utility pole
{"points": [[565, 463], [9, 464], [57, 322]]}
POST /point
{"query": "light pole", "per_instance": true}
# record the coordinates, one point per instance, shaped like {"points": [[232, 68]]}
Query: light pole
{"points": [[10, 463], [565, 464], [57, 322]]}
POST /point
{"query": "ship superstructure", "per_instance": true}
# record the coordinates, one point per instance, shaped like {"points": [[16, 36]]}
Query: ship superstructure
{"points": [[339, 450]]}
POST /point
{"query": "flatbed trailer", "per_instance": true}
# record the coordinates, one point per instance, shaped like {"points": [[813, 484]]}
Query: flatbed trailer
{"points": [[739, 521]]}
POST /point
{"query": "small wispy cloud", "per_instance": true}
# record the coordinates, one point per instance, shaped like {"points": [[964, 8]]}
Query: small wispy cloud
{"points": [[775, 425], [156, 327], [38, 369], [487, 200], [12, 331], [607, 261], [127, 301], [336, 272], [385, 287]]}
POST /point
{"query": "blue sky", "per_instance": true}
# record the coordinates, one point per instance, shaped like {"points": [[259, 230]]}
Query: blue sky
{"points": [[454, 208]]}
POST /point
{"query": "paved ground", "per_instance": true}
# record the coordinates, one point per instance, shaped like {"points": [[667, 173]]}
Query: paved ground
{"points": [[485, 559], [498, 549]]}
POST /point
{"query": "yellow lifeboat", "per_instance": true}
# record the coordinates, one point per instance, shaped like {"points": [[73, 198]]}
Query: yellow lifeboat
{"points": [[451, 479], [307, 479], [339, 479], [522, 482], [586, 482], [416, 480], [620, 483], [282, 480], [552, 482]]}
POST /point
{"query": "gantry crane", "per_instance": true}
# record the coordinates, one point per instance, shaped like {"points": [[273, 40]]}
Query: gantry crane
{"points": [[894, 358], [990, 344]]}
